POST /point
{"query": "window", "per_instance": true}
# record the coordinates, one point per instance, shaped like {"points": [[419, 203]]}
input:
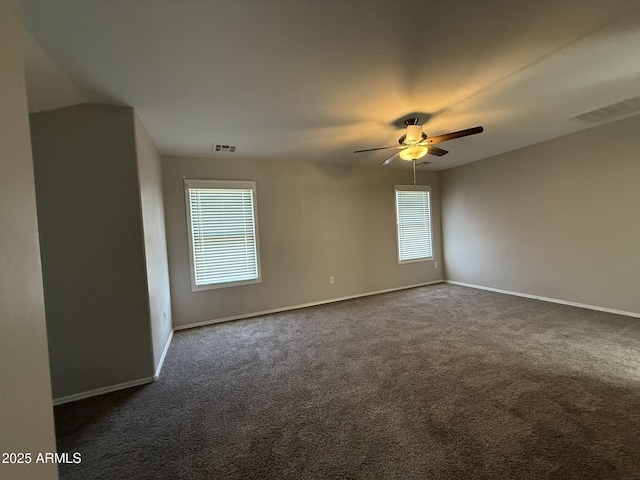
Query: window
{"points": [[223, 233], [413, 220]]}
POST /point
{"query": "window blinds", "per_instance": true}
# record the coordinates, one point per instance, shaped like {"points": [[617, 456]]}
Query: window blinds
{"points": [[223, 233], [413, 216]]}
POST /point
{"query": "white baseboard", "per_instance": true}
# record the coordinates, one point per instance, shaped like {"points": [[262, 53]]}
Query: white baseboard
{"points": [[164, 354], [295, 307], [119, 386], [100, 391], [547, 299], [142, 381]]}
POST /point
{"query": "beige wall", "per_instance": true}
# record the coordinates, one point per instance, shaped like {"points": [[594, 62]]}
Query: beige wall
{"points": [[155, 244], [91, 236], [559, 219], [314, 221], [26, 415]]}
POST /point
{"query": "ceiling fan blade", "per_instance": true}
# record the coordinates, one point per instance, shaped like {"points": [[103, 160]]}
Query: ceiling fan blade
{"points": [[388, 160], [452, 135], [437, 151], [372, 149]]}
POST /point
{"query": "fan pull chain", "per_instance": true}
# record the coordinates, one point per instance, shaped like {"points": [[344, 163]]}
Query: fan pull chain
{"points": [[414, 173]]}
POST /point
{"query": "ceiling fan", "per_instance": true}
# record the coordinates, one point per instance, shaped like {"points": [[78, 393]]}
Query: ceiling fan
{"points": [[415, 144]]}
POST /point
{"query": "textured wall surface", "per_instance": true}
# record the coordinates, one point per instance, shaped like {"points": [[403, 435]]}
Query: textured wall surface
{"points": [[558, 219], [314, 221], [155, 243], [26, 415], [92, 242]]}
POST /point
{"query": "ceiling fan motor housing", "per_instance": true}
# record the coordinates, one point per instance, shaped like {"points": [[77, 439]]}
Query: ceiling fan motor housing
{"points": [[414, 134]]}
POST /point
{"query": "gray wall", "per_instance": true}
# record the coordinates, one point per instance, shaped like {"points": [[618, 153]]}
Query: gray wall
{"points": [[157, 267], [26, 415], [92, 246], [314, 221], [559, 219]]}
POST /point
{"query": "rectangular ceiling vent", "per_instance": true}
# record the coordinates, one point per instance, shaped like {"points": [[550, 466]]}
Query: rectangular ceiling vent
{"points": [[423, 164], [224, 148], [610, 112]]}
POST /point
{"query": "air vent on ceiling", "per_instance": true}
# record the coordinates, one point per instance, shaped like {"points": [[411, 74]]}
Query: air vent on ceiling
{"points": [[224, 148], [423, 164], [610, 112]]}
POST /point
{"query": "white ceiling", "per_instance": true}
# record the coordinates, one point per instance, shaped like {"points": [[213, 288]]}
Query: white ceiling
{"points": [[311, 81]]}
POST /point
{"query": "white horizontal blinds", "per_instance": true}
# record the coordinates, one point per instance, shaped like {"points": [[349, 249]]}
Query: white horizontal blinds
{"points": [[223, 234], [413, 215]]}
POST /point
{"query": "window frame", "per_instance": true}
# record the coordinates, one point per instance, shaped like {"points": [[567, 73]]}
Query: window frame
{"points": [[421, 188], [220, 184]]}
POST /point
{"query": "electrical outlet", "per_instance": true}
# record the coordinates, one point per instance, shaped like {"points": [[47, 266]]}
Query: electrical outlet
{"points": [[435, 264], [331, 279], [164, 315]]}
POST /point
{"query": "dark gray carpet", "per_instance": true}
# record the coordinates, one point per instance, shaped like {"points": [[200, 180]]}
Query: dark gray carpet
{"points": [[440, 382]]}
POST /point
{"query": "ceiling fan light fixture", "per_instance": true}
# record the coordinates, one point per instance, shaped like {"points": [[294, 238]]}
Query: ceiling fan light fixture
{"points": [[413, 153]]}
